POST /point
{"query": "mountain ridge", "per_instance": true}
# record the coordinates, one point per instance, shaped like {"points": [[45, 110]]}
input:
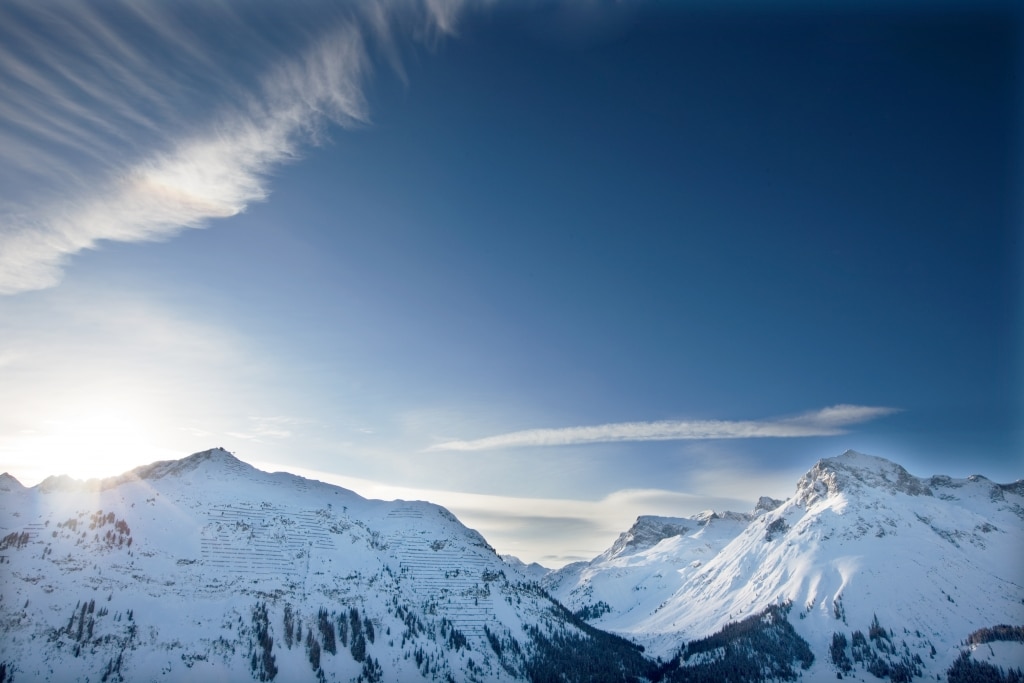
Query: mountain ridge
{"points": [[279, 573], [860, 540], [206, 567]]}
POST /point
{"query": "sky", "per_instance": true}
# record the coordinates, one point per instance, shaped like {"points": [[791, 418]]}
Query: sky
{"points": [[550, 264]]}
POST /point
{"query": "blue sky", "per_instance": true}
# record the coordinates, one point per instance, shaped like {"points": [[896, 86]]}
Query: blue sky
{"points": [[551, 264]]}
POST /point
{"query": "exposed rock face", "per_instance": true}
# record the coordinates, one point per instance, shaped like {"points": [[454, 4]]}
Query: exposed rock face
{"points": [[766, 504], [648, 531], [853, 471]]}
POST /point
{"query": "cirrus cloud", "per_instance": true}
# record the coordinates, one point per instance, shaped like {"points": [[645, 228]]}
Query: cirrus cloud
{"points": [[138, 133], [828, 421]]}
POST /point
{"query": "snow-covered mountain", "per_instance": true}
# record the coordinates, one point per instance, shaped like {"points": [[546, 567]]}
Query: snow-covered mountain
{"points": [[874, 569], [644, 566], [533, 570], [208, 569]]}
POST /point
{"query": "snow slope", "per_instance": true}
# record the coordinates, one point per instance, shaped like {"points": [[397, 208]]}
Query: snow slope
{"points": [[644, 566], [206, 568], [933, 559]]}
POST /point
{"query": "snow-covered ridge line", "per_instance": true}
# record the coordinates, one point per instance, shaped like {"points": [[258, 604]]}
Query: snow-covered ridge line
{"points": [[853, 471], [860, 539], [206, 567], [152, 471]]}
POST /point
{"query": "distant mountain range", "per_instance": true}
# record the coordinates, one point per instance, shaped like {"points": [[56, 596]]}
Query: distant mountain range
{"points": [[208, 569]]}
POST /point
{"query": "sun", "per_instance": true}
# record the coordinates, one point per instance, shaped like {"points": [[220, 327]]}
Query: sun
{"points": [[91, 439]]}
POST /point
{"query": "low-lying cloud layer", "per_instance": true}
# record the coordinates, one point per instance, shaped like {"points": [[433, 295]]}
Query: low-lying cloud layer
{"points": [[825, 422], [554, 531]]}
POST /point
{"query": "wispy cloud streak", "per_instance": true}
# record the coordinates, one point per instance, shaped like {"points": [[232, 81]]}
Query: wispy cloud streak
{"points": [[138, 133], [825, 422]]}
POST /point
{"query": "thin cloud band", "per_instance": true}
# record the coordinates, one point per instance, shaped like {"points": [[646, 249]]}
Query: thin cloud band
{"points": [[825, 422]]}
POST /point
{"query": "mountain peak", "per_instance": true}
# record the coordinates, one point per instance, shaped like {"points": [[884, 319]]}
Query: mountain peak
{"points": [[534, 570], [766, 504], [708, 516], [9, 483], [648, 531], [215, 457], [853, 471], [62, 482], [204, 553]]}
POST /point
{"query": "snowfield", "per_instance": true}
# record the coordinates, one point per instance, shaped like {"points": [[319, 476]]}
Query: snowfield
{"points": [[208, 569], [933, 558]]}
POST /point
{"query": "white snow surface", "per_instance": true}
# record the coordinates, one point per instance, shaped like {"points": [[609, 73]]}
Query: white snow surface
{"points": [[160, 574], [534, 570], [156, 575], [934, 558]]}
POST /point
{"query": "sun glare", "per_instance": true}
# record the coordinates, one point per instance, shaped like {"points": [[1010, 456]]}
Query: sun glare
{"points": [[100, 439]]}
